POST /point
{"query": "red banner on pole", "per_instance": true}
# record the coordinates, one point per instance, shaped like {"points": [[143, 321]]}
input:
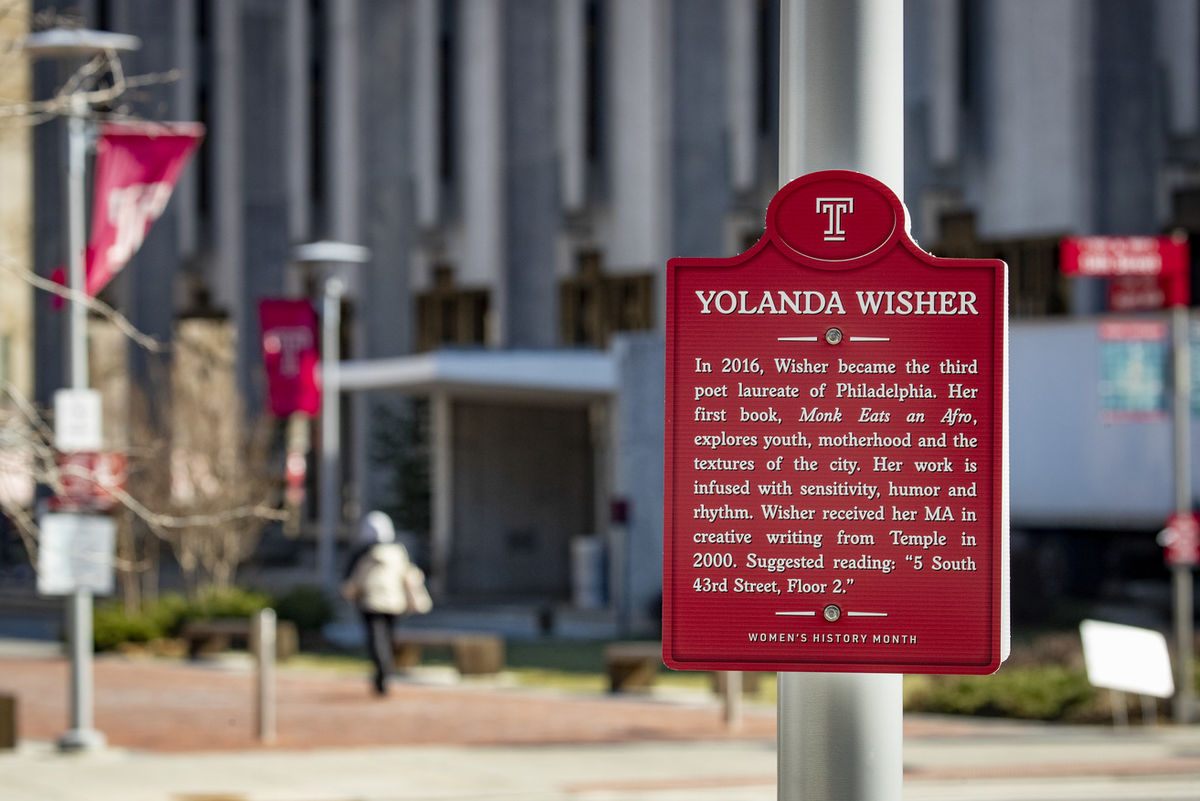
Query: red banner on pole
{"points": [[137, 165], [289, 342]]}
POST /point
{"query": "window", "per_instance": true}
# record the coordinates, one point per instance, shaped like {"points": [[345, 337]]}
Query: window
{"points": [[450, 315], [595, 305], [1035, 285]]}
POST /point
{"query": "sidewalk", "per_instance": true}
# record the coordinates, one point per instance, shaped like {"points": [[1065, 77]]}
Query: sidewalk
{"points": [[181, 732]]}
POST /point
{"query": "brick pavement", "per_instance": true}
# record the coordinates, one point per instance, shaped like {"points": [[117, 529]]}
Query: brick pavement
{"points": [[163, 705], [174, 718]]}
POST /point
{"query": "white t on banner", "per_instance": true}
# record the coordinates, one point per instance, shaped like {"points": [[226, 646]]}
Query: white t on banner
{"points": [[1127, 658], [75, 552], [137, 165]]}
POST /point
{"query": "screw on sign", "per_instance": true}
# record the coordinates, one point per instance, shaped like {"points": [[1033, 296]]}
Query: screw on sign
{"points": [[836, 449], [1181, 540]]}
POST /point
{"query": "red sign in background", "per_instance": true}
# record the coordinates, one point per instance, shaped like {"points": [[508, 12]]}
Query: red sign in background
{"points": [[1181, 540], [836, 466], [1143, 272]]}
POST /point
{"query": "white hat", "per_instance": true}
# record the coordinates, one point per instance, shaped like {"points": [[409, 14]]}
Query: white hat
{"points": [[376, 527]]}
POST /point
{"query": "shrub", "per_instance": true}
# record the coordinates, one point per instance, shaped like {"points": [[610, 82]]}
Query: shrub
{"points": [[306, 606], [227, 602], [166, 617], [1048, 692], [113, 626], [168, 611]]}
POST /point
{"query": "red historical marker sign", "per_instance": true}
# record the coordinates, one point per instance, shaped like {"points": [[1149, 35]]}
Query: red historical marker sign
{"points": [[836, 451]]}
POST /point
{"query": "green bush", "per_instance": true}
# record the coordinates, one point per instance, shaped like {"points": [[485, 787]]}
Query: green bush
{"points": [[166, 617], [306, 606], [169, 612], [1048, 692], [227, 602], [113, 626]]}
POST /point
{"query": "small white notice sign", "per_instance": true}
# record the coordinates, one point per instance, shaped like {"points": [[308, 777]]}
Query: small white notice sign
{"points": [[77, 420], [75, 552], [1127, 658]]}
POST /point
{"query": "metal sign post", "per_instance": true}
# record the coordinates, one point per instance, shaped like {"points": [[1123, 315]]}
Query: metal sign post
{"points": [[330, 255], [864, 711], [1184, 705], [836, 416], [72, 46], [1164, 262]]}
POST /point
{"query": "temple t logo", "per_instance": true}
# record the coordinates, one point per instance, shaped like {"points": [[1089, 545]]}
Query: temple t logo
{"points": [[835, 207]]}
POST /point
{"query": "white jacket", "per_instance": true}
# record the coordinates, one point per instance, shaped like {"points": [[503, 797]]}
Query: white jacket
{"points": [[376, 582]]}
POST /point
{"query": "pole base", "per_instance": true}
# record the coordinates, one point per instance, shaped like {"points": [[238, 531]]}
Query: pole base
{"points": [[82, 740]]}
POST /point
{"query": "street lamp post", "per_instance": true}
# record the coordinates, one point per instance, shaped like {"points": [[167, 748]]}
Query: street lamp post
{"points": [[327, 256], [67, 46]]}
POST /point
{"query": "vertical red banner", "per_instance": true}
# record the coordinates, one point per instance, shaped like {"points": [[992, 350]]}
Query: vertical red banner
{"points": [[137, 166], [289, 343]]}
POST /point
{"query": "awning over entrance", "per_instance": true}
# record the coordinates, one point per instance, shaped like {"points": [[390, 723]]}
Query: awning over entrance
{"points": [[497, 374], [519, 463]]}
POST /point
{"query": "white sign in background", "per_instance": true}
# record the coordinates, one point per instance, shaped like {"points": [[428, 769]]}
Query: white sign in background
{"points": [[1127, 658], [75, 552], [77, 420]]}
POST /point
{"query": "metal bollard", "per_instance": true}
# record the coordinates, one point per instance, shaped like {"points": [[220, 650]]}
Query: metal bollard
{"points": [[264, 660], [8, 722]]}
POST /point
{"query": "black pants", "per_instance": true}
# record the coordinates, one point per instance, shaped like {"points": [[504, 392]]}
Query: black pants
{"points": [[379, 645]]}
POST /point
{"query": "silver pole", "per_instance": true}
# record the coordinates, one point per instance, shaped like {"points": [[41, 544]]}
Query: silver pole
{"points": [[1184, 703], [331, 423], [731, 699], [81, 735], [264, 653], [72, 45], [77, 377], [840, 735], [332, 257]]}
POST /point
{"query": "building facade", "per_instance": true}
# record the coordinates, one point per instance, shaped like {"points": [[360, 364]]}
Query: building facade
{"points": [[521, 170]]}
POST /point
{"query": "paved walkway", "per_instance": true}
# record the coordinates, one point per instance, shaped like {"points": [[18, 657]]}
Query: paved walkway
{"points": [[182, 732], [166, 706]]}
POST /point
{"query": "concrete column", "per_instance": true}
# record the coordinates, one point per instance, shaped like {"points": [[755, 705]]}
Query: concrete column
{"points": [[1179, 39], [482, 147], [343, 154], [225, 144], [298, 112], [441, 490], [638, 64], [571, 94], [185, 200], [741, 53], [945, 77], [426, 114], [528, 292]]}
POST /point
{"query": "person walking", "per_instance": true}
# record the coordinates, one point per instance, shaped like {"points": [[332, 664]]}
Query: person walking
{"points": [[383, 583]]}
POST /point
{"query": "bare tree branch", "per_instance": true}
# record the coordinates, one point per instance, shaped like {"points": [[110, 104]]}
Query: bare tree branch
{"points": [[95, 304]]}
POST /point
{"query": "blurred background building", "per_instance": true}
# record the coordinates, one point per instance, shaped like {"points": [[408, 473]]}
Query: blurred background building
{"points": [[521, 170]]}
